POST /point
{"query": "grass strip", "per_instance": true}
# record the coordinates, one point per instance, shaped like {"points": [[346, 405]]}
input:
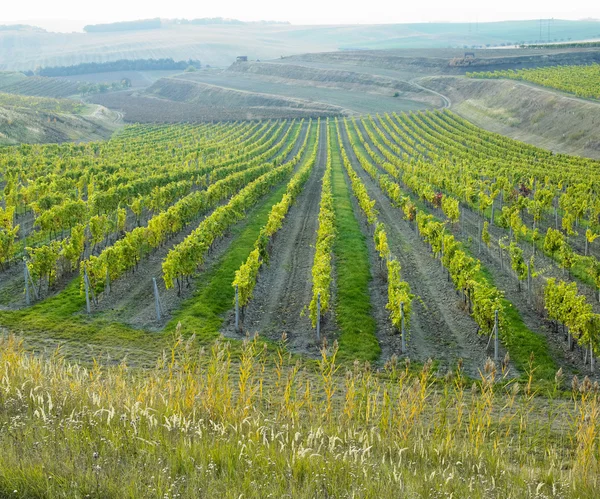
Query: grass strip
{"points": [[353, 307], [202, 314]]}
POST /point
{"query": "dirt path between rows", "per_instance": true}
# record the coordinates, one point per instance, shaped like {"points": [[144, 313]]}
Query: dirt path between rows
{"points": [[284, 286], [530, 309], [440, 327], [505, 279], [131, 300]]}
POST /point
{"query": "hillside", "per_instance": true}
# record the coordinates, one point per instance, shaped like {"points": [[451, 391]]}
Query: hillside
{"points": [[42, 120], [18, 83], [297, 74], [540, 116], [219, 44], [172, 100], [449, 61]]}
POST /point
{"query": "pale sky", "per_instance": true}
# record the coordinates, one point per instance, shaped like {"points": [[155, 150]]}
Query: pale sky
{"points": [[68, 15]]}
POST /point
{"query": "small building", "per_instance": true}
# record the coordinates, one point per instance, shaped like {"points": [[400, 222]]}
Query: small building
{"points": [[242, 58], [469, 55]]}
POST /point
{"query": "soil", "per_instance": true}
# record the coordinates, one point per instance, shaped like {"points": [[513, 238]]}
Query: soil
{"points": [[440, 327], [530, 309], [284, 287], [131, 300]]}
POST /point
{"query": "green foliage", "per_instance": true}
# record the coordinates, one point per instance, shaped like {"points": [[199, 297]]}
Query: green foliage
{"points": [[579, 80], [553, 241], [517, 262]]}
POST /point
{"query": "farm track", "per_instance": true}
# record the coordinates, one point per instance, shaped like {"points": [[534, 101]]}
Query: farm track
{"points": [[284, 286], [440, 328], [446, 102]]}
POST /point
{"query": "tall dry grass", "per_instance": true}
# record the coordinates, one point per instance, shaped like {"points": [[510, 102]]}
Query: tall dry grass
{"points": [[258, 424]]}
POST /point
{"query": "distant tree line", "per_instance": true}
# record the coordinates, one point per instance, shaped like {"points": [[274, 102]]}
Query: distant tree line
{"points": [[568, 45], [160, 23], [219, 20], [123, 26], [21, 27], [120, 65], [95, 88]]}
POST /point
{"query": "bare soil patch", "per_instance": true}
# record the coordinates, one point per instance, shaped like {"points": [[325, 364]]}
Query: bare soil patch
{"points": [[284, 287]]}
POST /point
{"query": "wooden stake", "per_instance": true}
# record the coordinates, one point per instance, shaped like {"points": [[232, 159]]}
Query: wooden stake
{"points": [[319, 317], [237, 310], [26, 275], [86, 284], [402, 328], [156, 299], [529, 280], [496, 337]]}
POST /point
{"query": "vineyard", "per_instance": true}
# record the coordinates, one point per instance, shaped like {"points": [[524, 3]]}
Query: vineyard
{"points": [[327, 228], [408, 249], [18, 83], [583, 81]]}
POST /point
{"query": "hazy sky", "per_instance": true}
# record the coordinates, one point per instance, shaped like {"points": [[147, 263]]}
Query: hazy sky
{"points": [[296, 12]]}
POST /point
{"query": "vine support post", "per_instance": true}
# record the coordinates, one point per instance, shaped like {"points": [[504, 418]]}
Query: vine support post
{"points": [[529, 280], [318, 317], [492, 216], [26, 275], [86, 284], [402, 327], [496, 337], [156, 299], [442, 251], [480, 235], [107, 287], [237, 309], [592, 360]]}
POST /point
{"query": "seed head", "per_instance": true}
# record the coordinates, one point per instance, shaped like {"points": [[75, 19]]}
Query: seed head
{"points": [[558, 377], [575, 384]]}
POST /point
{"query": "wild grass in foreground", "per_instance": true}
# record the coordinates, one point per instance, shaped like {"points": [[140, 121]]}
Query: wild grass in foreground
{"points": [[259, 425]]}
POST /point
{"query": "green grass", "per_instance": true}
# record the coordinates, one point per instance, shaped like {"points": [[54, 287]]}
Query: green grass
{"points": [[524, 341], [353, 307], [203, 313], [60, 317]]}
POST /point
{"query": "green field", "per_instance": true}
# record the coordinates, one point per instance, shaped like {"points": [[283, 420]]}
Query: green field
{"points": [[583, 81], [129, 368]]}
